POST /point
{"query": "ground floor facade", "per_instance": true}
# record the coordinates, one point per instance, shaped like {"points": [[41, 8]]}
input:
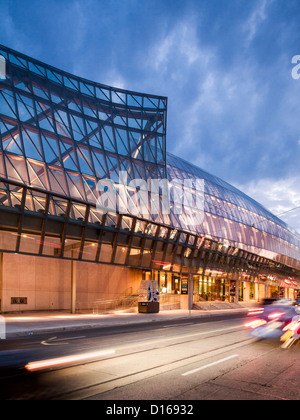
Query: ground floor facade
{"points": [[31, 283]]}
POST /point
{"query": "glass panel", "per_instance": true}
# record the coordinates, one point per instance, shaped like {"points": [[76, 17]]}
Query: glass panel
{"points": [[151, 230], [36, 201], [58, 207], [121, 254], [170, 252], [163, 233], [134, 257], [89, 250], [95, 217], [106, 253], [72, 248], [147, 253], [140, 227], [159, 252], [30, 244], [8, 241], [51, 246], [78, 212], [126, 223]]}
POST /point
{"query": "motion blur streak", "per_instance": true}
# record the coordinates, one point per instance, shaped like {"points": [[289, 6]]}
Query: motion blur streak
{"points": [[257, 311], [292, 326], [255, 324], [275, 315], [60, 361]]}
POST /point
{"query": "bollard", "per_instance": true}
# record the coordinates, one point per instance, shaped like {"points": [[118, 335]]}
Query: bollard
{"points": [[2, 328]]}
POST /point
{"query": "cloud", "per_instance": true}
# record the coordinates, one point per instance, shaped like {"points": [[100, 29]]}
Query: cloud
{"points": [[179, 46], [12, 34], [257, 17], [115, 78], [281, 197], [175, 55]]}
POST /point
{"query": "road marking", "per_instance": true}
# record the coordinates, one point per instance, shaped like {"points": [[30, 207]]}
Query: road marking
{"points": [[45, 364], [46, 342], [163, 340], [209, 365], [178, 325]]}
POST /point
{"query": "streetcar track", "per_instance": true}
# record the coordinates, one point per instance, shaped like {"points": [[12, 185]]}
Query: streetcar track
{"points": [[89, 391], [17, 370], [167, 367], [136, 349], [167, 342], [24, 374]]}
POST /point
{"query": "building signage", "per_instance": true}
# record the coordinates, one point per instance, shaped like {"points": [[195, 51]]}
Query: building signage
{"points": [[184, 286]]}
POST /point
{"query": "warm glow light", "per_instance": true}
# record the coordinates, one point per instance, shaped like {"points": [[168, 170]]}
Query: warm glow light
{"points": [[275, 315], [255, 311], [61, 361], [292, 326], [255, 324], [163, 263]]}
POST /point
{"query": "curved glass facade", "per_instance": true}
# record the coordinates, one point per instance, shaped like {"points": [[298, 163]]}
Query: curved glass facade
{"points": [[63, 136], [233, 217]]}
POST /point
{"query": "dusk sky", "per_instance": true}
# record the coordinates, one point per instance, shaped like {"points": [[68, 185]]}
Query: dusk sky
{"points": [[225, 66]]}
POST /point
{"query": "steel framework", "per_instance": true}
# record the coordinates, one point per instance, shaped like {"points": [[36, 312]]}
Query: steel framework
{"points": [[51, 225], [61, 135], [64, 134]]}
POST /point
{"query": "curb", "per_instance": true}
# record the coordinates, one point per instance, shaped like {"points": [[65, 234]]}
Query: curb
{"points": [[30, 330]]}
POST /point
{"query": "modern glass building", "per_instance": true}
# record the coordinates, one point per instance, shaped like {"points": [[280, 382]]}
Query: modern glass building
{"points": [[91, 203]]}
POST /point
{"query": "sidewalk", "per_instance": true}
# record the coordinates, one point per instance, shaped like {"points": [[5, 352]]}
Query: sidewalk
{"points": [[25, 324]]}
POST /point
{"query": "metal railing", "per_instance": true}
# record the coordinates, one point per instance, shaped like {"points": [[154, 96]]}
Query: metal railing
{"points": [[101, 306], [168, 298], [123, 301]]}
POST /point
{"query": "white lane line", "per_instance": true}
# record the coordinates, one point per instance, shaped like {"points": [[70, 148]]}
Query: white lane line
{"points": [[178, 325], [209, 365], [54, 341]]}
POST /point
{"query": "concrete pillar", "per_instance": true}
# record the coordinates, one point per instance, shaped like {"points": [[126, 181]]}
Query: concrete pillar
{"points": [[237, 291], [73, 286], [191, 291]]}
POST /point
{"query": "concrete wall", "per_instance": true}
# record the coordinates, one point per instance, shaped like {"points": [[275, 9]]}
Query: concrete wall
{"points": [[46, 282], [97, 281]]}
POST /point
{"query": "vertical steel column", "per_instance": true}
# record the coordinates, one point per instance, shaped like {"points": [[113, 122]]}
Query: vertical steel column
{"points": [[73, 286]]}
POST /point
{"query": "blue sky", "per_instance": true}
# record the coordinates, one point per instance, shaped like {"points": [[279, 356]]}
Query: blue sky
{"points": [[225, 66]]}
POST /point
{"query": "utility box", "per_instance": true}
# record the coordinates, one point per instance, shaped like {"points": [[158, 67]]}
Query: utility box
{"points": [[148, 307]]}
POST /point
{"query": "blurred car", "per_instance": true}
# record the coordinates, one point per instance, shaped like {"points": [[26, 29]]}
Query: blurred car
{"points": [[272, 320], [269, 301]]}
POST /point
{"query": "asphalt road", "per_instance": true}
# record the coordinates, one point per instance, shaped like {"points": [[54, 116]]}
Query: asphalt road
{"points": [[197, 359]]}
